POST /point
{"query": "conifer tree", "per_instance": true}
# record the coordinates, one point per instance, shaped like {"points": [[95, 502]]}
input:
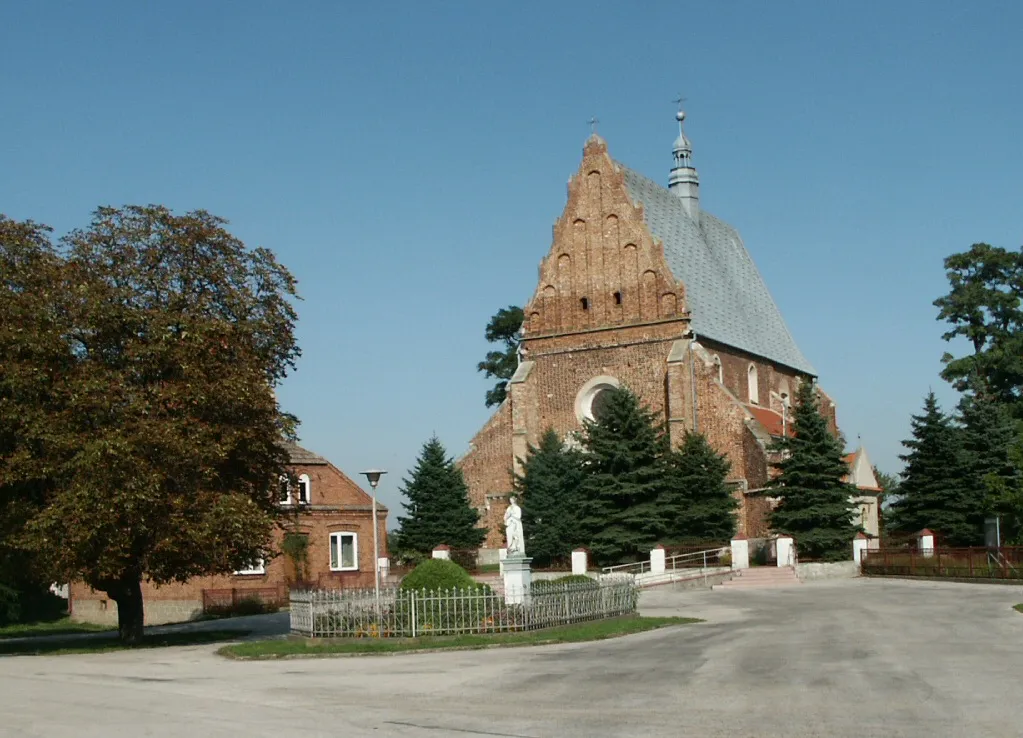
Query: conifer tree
{"points": [[815, 506], [990, 474], [438, 509], [700, 504], [549, 491], [621, 508], [934, 493]]}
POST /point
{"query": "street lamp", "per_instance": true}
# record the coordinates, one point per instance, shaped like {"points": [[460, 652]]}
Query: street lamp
{"points": [[373, 477]]}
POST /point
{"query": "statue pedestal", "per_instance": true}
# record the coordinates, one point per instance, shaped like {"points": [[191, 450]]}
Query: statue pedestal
{"points": [[518, 579]]}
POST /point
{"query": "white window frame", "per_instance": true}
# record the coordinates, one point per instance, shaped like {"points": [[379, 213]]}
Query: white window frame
{"points": [[258, 568], [753, 382], [303, 479], [340, 534]]}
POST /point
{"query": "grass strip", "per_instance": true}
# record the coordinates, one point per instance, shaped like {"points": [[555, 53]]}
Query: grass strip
{"points": [[310, 647], [58, 646], [1018, 608], [61, 626]]}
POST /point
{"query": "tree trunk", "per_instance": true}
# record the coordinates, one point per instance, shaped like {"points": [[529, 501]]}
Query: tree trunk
{"points": [[130, 614]]}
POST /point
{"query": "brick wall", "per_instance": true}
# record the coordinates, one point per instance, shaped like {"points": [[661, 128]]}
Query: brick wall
{"points": [[337, 505]]}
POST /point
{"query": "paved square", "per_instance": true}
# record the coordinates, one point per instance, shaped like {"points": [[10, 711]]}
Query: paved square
{"points": [[847, 658]]}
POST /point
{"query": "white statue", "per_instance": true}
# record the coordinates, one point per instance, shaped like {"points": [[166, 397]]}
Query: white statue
{"points": [[513, 529]]}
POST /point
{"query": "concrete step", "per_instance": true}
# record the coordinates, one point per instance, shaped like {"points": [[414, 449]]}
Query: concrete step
{"points": [[761, 577]]}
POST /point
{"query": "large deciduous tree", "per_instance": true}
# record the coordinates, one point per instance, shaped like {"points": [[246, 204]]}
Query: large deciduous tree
{"points": [[815, 506], [622, 512], [549, 490], [935, 492], [438, 510], [157, 442], [699, 503], [505, 328], [984, 307]]}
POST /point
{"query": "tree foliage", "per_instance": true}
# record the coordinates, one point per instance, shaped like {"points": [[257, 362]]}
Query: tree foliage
{"points": [[142, 438], [933, 493], [622, 515], [815, 507], [437, 507], [699, 503], [549, 490], [983, 306], [505, 328]]}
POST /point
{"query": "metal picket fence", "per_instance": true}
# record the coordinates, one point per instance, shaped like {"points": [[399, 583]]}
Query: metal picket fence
{"points": [[396, 613]]}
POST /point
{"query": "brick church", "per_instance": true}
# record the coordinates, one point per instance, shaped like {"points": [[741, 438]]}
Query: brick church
{"points": [[643, 288]]}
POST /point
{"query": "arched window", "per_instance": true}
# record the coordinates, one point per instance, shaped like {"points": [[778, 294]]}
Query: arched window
{"points": [[785, 393], [721, 370], [754, 385], [593, 396], [305, 490]]}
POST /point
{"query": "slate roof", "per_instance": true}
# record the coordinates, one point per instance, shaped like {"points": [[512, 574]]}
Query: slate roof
{"points": [[726, 295], [301, 455]]}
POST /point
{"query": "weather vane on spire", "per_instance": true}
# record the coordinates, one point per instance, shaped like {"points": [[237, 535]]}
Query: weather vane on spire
{"points": [[680, 115], [593, 124]]}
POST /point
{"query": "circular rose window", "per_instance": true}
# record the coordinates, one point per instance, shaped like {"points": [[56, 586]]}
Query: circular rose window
{"points": [[593, 397]]}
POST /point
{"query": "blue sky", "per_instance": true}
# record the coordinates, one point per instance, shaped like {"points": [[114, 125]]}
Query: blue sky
{"points": [[406, 161]]}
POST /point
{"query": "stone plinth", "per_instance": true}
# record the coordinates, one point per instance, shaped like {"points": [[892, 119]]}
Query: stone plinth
{"points": [[859, 547], [442, 552], [657, 560], [785, 551], [518, 579]]}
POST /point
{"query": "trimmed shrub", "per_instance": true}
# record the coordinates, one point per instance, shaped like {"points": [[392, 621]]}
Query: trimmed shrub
{"points": [[246, 606], [435, 574], [10, 608]]}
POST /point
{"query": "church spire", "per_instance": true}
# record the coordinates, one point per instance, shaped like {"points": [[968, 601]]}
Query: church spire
{"points": [[684, 181]]}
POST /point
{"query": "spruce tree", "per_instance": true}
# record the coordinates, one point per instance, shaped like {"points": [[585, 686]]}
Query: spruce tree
{"points": [[934, 492], [700, 504], [815, 506], [549, 492], [621, 511], [438, 509], [989, 437]]}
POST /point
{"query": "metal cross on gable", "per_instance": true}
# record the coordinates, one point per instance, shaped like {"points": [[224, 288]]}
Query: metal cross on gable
{"points": [[593, 124], [679, 100]]}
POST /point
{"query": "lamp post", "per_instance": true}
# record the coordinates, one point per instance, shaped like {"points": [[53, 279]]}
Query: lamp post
{"points": [[373, 477]]}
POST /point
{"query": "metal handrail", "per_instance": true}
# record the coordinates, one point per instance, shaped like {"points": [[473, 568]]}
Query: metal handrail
{"points": [[671, 563]]}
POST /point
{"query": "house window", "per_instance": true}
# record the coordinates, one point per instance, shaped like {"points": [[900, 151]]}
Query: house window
{"points": [[258, 567], [304, 490], [344, 552], [754, 385], [284, 495], [618, 298], [585, 302]]}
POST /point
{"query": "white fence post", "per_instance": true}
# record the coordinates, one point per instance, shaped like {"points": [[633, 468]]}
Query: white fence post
{"points": [[657, 560], [859, 548], [785, 551], [579, 561], [442, 551], [740, 552], [925, 542]]}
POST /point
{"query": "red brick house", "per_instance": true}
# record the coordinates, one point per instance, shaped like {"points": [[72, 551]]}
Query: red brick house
{"points": [[642, 287], [331, 512]]}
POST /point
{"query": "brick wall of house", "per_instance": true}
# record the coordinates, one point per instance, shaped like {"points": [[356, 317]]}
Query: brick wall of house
{"points": [[337, 505]]}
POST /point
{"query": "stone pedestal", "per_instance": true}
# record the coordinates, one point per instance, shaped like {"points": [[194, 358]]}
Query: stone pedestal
{"points": [[502, 554], [442, 551], [518, 579], [925, 542]]}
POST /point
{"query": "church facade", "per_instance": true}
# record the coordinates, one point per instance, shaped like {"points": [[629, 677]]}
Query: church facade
{"points": [[643, 288]]}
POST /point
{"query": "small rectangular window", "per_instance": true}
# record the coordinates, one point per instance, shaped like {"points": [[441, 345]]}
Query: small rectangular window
{"points": [[618, 298], [258, 567], [585, 302], [344, 552]]}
